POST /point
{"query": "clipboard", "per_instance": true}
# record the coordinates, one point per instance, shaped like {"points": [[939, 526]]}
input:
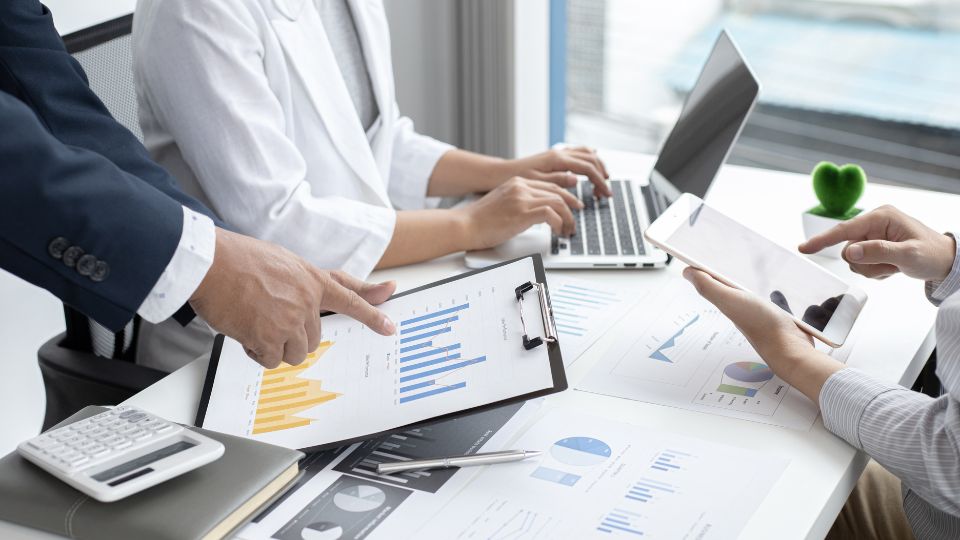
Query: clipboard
{"points": [[534, 335]]}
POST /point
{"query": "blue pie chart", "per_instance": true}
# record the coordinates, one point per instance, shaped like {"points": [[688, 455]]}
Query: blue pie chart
{"points": [[581, 451]]}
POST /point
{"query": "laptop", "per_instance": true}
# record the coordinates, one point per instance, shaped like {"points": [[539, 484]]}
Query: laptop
{"points": [[610, 230]]}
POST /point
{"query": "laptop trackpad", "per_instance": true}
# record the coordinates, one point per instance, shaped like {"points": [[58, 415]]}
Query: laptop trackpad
{"points": [[536, 239]]}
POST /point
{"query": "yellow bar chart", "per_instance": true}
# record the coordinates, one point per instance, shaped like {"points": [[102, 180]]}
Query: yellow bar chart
{"points": [[284, 393]]}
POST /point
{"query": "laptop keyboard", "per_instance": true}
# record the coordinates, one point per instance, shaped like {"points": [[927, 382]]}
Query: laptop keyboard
{"points": [[608, 226]]}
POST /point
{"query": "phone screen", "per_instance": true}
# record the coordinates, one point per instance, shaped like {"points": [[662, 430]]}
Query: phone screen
{"points": [[759, 265]]}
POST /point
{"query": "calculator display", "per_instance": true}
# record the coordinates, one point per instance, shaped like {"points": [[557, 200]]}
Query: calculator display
{"points": [[142, 461]]}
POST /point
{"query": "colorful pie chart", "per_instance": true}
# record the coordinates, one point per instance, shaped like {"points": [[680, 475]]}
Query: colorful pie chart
{"points": [[751, 372]]}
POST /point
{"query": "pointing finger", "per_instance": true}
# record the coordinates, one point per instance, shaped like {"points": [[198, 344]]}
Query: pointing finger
{"points": [[345, 300]]}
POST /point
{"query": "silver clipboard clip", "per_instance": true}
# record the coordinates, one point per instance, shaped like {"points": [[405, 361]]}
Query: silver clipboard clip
{"points": [[546, 312]]}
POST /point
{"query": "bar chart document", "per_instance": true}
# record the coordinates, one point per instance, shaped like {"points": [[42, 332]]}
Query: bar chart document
{"points": [[687, 354], [324, 500], [623, 482], [585, 309], [458, 346]]}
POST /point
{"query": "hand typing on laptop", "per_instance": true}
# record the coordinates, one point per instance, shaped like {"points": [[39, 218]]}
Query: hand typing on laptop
{"points": [[515, 206]]}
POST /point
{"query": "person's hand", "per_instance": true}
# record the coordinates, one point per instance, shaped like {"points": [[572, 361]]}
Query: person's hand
{"points": [[886, 241], [270, 299], [513, 207], [562, 165], [786, 348]]}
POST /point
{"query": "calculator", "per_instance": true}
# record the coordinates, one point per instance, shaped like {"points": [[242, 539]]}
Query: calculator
{"points": [[119, 452]]}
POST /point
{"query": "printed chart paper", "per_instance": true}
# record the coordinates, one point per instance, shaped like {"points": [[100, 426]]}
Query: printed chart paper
{"points": [[689, 355], [584, 310], [341, 496], [604, 479], [458, 345]]}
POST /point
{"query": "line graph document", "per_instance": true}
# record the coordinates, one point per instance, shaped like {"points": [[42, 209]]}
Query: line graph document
{"points": [[458, 345], [687, 354], [600, 478]]}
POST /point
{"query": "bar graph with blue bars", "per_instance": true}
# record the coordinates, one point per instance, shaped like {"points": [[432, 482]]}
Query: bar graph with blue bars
{"points": [[646, 490], [669, 460], [621, 522], [430, 353], [574, 306]]}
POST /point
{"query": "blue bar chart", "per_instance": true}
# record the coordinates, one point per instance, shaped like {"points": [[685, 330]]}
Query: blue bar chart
{"points": [[574, 305], [585, 310], [619, 521], [670, 460], [646, 490], [431, 355]]}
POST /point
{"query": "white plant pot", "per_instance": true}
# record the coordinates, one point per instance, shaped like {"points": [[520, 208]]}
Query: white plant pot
{"points": [[814, 225]]}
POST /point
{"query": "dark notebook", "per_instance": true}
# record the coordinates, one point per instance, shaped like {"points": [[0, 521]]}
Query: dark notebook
{"points": [[209, 502]]}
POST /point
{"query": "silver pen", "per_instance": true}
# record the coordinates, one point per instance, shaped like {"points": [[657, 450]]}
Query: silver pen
{"points": [[457, 461]]}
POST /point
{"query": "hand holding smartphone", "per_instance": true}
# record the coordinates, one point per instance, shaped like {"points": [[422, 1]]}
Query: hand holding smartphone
{"points": [[821, 304]]}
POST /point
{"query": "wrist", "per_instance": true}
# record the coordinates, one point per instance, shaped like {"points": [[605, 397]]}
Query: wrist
{"points": [[220, 251], [501, 170], [809, 372], [462, 228], [948, 255]]}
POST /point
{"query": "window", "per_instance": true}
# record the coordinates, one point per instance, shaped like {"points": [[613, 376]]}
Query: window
{"points": [[869, 82]]}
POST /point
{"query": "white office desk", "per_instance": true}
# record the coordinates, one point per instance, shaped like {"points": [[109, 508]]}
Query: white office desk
{"points": [[893, 340]]}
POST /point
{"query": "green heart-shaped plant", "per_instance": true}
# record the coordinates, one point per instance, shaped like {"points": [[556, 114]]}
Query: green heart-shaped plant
{"points": [[838, 189]]}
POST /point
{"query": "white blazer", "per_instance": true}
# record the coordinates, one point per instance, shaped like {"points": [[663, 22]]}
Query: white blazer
{"points": [[244, 102]]}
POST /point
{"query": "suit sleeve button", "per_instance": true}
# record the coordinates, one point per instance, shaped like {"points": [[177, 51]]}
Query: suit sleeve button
{"points": [[100, 271], [86, 265], [57, 246], [71, 255]]}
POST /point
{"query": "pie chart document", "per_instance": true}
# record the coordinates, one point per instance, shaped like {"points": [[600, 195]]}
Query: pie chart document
{"points": [[458, 346], [600, 478], [684, 353]]}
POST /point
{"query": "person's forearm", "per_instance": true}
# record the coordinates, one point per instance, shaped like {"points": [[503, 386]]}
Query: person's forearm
{"points": [[459, 173], [421, 235], [809, 371]]}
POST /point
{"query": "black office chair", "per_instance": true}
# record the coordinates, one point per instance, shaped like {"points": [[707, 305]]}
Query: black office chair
{"points": [[88, 364]]}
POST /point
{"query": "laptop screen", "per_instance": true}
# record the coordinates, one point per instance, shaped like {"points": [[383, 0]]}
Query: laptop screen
{"points": [[712, 116]]}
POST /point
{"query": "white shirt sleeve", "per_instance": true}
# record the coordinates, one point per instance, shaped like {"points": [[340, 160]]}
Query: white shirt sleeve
{"points": [[185, 271], [414, 158]]}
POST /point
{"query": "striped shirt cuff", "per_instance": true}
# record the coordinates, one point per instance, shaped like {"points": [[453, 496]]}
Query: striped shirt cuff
{"points": [[938, 291], [844, 399]]}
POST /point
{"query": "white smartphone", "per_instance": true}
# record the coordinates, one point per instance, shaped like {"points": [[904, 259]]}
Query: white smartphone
{"points": [[820, 302]]}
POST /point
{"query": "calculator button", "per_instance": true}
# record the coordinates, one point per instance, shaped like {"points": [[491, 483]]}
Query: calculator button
{"points": [[42, 443], [136, 417], [98, 451], [128, 413], [122, 444], [140, 435], [164, 428], [76, 459]]}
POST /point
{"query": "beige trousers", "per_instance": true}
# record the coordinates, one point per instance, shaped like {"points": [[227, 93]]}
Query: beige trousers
{"points": [[874, 509]]}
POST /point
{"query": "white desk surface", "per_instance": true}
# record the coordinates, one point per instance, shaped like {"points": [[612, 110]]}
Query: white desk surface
{"points": [[894, 338]]}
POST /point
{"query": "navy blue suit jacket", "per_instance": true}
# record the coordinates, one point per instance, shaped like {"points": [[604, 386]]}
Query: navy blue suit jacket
{"points": [[72, 177]]}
